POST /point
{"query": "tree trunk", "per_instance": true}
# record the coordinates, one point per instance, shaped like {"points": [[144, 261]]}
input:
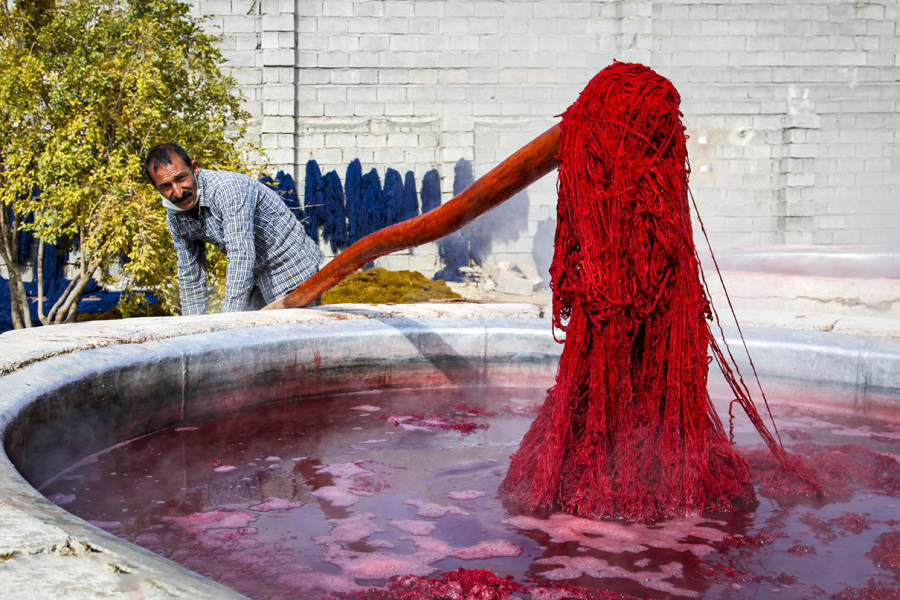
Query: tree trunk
{"points": [[18, 300], [39, 275], [65, 309]]}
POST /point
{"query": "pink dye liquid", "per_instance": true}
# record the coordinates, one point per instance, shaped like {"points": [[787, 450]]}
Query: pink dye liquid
{"points": [[318, 499]]}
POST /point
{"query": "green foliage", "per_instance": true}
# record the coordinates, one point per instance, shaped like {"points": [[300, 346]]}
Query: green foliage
{"points": [[86, 88], [380, 286]]}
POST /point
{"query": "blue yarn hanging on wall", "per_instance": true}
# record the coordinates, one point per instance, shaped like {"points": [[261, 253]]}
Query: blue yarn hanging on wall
{"points": [[373, 213], [313, 200], [352, 192], [284, 186], [431, 191], [410, 201], [334, 230], [463, 176], [393, 196], [287, 189], [454, 249]]}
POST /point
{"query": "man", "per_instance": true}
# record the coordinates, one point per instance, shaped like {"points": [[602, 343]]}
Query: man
{"points": [[269, 254]]}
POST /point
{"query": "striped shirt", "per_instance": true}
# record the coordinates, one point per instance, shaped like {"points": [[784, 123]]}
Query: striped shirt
{"points": [[265, 244]]}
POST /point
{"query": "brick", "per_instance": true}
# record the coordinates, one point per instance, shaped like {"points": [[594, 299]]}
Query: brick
{"points": [[215, 7], [394, 262], [340, 42], [309, 8], [367, 9], [344, 77], [362, 26], [335, 9], [405, 43], [364, 60], [279, 92], [394, 26], [278, 58], [800, 179], [340, 60], [404, 9], [245, 41], [269, 22], [374, 43]]}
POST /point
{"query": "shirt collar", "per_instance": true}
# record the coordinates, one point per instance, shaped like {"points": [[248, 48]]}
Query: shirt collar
{"points": [[201, 187]]}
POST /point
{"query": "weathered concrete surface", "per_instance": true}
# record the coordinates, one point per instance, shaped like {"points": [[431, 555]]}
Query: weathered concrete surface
{"points": [[853, 305], [19, 348]]}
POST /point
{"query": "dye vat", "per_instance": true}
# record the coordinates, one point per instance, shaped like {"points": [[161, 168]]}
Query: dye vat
{"points": [[332, 497], [106, 403]]}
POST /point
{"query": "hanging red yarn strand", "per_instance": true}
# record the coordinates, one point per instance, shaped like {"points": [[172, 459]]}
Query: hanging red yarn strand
{"points": [[628, 431]]}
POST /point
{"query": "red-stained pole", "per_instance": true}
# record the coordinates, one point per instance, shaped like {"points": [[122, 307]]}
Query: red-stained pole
{"points": [[514, 174]]}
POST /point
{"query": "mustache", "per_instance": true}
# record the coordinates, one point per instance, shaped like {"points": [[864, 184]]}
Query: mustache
{"points": [[184, 196]]}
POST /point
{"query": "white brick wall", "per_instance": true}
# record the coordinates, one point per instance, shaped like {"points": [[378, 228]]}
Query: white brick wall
{"points": [[790, 106]]}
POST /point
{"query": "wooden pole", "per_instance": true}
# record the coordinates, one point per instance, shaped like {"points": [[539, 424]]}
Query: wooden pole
{"points": [[514, 174]]}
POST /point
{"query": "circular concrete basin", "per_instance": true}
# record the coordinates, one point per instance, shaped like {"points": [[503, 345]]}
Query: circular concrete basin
{"points": [[62, 408]]}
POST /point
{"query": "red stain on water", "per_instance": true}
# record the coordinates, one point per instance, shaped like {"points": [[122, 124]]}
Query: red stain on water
{"points": [[886, 552], [474, 584], [380, 565], [742, 541], [219, 467], [802, 549], [434, 420], [873, 591]]}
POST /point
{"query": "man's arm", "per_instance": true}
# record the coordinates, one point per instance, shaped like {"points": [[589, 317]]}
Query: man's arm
{"points": [[239, 245], [191, 274]]}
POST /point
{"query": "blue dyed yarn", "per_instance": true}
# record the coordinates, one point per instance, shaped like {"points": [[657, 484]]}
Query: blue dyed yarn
{"points": [[454, 253], [352, 192], [473, 242], [372, 213], [455, 249], [476, 235], [410, 201], [431, 191], [313, 200], [284, 186], [334, 229], [392, 195], [463, 176]]}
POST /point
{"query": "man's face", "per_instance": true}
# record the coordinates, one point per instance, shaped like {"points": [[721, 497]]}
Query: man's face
{"points": [[177, 182]]}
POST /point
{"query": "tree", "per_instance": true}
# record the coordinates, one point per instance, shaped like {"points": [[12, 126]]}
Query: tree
{"points": [[86, 88]]}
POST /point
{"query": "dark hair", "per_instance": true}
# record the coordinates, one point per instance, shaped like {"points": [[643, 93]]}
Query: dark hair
{"points": [[161, 154]]}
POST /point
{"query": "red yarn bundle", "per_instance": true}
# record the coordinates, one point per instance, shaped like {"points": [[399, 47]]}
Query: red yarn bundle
{"points": [[628, 430]]}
